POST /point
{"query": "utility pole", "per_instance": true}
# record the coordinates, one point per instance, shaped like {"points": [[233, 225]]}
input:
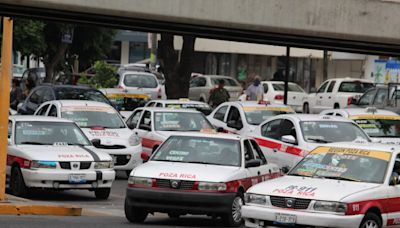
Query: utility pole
{"points": [[5, 77], [153, 51], [287, 72], [325, 71]]}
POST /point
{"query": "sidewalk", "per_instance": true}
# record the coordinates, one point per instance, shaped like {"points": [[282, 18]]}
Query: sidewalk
{"points": [[20, 206]]}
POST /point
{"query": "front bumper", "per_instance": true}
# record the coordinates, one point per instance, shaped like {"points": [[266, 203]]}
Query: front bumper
{"points": [[257, 217], [120, 160], [55, 178], [159, 200]]}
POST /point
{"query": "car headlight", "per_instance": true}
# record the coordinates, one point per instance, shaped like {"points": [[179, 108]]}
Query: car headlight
{"points": [[140, 181], [256, 199], [212, 186], [103, 165], [329, 206], [134, 140], [43, 165]]}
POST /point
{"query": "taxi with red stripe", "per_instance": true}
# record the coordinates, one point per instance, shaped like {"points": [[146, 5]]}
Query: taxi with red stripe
{"points": [[154, 125], [197, 173], [53, 153], [336, 185], [286, 139], [243, 117], [381, 125]]}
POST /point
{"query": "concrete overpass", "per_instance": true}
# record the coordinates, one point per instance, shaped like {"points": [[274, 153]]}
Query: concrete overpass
{"points": [[364, 26]]}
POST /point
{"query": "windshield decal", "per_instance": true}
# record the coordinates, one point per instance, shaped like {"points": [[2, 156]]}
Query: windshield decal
{"points": [[102, 133], [127, 95], [266, 108], [351, 151], [87, 109]]}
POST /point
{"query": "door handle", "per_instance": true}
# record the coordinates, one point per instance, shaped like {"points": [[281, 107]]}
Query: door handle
{"points": [[258, 173], [275, 150], [294, 97], [329, 97], [320, 97], [270, 172]]}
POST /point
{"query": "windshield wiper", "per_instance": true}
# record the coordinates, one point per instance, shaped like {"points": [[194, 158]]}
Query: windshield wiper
{"points": [[34, 143], [76, 144], [165, 160], [318, 140], [337, 178], [204, 163]]}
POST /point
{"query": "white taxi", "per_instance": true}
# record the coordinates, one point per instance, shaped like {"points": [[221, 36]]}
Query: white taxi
{"points": [[102, 124], [381, 125], [155, 125], [53, 153], [286, 139], [243, 117], [197, 173], [340, 185], [181, 103]]}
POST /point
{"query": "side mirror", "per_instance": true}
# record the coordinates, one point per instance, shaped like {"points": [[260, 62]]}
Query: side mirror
{"points": [[394, 179], [145, 127], [220, 129], [285, 170], [145, 156], [96, 142], [131, 125], [234, 124], [253, 163], [289, 139]]}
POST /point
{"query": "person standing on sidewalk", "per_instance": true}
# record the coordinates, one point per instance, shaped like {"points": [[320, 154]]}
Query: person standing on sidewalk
{"points": [[218, 95], [255, 92]]}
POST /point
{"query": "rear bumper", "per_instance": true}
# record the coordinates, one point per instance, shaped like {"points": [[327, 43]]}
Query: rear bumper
{"points": [[157, 200]]}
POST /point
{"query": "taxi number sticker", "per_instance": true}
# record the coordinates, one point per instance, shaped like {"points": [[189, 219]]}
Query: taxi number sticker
{"points": [[352, 151], [375, 117]]}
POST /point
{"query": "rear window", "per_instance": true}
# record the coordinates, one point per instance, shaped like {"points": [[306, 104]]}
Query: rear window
{"points": [[355, 87], [140, 80], [292, 87], [228, 81], [81, 94]]}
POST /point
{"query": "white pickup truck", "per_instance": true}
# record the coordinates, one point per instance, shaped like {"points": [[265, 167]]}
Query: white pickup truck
{"points": [[336, 93]]}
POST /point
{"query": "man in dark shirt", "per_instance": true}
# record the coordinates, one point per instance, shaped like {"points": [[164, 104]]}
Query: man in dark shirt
{"points": [[15, 94]]}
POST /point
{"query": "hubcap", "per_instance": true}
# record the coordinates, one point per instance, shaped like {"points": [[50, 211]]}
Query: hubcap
{"points": [[236, 209], [370, 224]]}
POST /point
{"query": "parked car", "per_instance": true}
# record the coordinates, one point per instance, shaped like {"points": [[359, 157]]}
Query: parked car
{"points": [[53, 153], [102, 124], [382, 97], [49, 92], [197, 173], [274, 92], [336, 93], [201, 86], [339, 185], [140, 82]]}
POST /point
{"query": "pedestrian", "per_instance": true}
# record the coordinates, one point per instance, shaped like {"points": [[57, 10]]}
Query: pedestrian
{"points": [[218, 95], [255, 92], [15, 94]]}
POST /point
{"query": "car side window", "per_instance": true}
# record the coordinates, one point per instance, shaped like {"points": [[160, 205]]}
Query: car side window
{"points": [[234, 115], [146, 119], [202, 82], [258, 154], [248, 151], [134, 119], [330, 88], [380, 97], [367, 98], [396, 168], [220, 113], [329, 114], [47, 95], [194, 82], [35, 96], [287, 128], [151, 104], [323, 87], [271, 129], [159, 105], [338, 114], [42, 111], [265, 88], [53, 111]]}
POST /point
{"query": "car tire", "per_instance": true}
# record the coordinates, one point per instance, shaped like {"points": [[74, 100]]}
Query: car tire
{"points": [[371, 220], [102, 193], [306, 108], [234, 217], [17, 183], [134, 214]]}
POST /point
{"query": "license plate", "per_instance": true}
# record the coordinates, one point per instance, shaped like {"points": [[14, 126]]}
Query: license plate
{"points": [[77, 178], [285, 218]]}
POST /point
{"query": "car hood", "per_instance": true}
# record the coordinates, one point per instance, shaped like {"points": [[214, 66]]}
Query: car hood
{"points": [[186, 171], [109, 136], [310, 188], [61, 153]]}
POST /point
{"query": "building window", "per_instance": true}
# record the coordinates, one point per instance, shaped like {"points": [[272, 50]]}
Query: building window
{"points": [[211, 64], [225, 65], [115, 53], [138, 51]]}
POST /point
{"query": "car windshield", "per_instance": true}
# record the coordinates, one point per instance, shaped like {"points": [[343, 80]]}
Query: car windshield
{"points": [[292, 87], [181, 121], [201, 150], [331, 131], [228, 81], [140, 80], [344, 164], [380, 127], [48, 133], [204, 108], [90, 116], [355, 87], [258, 114], [80, 94]]}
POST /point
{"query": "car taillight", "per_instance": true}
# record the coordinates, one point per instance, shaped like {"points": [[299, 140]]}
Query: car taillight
{"points": [[279, 97], [349, 100], [159, 96]]}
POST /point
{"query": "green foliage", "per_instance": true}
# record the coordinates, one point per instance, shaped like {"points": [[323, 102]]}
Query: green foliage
{"points": [[104, 76]]}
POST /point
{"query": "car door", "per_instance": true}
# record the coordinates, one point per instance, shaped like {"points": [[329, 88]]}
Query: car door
{"points": [[144, 131], [380, 99], [319, 97], [266, 169], [197, 86], [288, 152], [133, 120], [218, 117], [329, 96], [269, 140], [393, 192], [257, 174], [234, 121]]}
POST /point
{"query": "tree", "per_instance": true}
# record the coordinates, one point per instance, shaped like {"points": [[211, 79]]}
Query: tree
{"points": [[177, 71], [104, 76]]}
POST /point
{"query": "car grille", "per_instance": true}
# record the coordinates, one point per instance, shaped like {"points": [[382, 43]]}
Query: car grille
{"points": [[300, 204], [182, 185], [83, 165], [111, 147], [121, 160]]}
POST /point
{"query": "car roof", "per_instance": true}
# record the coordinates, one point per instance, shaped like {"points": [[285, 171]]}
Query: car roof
{"points": [[217, 76], [277, 82], [137, 72], [80, 103], [159, 109], [39, 119], [254, 103], [366, 146], [312, 117], [178, 101], [65, 86], [348, 79], [210, 135], [363, 111]]}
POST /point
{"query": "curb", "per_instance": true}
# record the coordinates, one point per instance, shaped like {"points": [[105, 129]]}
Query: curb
{"points": [[16, 209]]}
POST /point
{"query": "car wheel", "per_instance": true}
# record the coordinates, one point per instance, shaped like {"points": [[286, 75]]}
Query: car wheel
{"points": [[102, 193], [371, 220], [306, 108], [17, 183], [134, 214], [234, 217]]}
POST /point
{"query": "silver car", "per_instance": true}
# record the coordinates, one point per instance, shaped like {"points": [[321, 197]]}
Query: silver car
{"points": [[140, 82], [200, 87]]}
